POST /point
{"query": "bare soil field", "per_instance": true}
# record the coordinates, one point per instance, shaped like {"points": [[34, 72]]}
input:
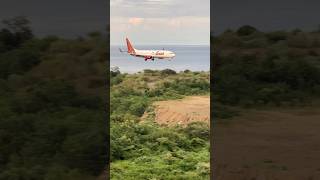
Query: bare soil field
{"points": [[183, 111], [268, 145]]}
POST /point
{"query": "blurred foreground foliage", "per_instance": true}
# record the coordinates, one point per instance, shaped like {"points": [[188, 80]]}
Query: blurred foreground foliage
{"points": [[253, 68], [52, 124]]}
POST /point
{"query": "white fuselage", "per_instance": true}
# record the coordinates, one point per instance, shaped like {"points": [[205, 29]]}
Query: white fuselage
{"points": [[148, 54], [160, 54]]}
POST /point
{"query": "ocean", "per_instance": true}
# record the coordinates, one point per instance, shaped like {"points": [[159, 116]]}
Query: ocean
{"points": [[191, 57]]}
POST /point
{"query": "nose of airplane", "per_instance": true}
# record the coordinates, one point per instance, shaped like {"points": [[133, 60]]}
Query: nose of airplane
{"points": [[173, 54]]}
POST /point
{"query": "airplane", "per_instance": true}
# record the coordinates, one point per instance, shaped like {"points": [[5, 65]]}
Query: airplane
{"points": [[148, 54]]}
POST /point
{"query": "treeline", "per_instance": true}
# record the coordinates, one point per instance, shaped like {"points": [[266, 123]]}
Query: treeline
{"points": [[144, 149], [52, 124], [253, 68]]}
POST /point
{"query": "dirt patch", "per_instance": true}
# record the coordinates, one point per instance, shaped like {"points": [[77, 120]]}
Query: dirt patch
{"points": [[183, 111], [270, 145]]}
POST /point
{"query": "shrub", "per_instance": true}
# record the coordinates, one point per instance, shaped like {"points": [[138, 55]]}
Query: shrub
{"points": [[246, 30], [168, 72]]}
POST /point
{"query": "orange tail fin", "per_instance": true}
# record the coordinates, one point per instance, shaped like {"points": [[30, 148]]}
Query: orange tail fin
{"points": [[130, 47]]}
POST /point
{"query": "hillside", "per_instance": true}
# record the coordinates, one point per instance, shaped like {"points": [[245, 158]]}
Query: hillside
{"points": [[141, 148], [182, 111]]}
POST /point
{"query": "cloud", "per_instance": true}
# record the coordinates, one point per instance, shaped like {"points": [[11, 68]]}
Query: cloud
{"points": [[187, 29], [136, 3], [159, 8], [115, 2], [161, 21], [135, 21], [175, 23]]}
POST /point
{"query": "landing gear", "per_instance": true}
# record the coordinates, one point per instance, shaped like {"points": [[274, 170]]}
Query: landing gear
{"points": [[146, 58]]}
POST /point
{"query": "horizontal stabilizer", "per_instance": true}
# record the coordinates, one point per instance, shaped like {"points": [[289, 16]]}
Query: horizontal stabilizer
{"points": [[122, 50]]}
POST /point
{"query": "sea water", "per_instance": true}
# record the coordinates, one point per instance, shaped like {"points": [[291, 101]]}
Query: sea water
{"points": [[191, 57]]}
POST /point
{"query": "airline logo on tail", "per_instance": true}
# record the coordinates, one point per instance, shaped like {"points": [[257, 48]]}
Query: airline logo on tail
{"points": [[148, 54], [130, 47]]}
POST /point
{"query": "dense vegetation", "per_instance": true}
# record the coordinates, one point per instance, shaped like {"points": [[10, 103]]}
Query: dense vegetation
{"points": [[253, 68], [52, 124], [146, 150]]}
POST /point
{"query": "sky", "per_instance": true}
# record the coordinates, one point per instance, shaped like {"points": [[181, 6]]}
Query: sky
{"points": [[266, 15], [180, 22], [161, 21], [66, 18]]}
